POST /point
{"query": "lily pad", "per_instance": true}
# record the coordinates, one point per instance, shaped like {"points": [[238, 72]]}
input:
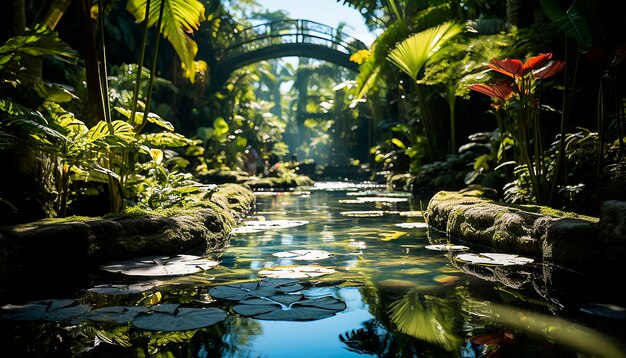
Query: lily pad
{"points": [[494, 259], [446, 247], [380, 199], [114, 290], [49, 310], [272, 224], [179, 319], [306, 271], [289, 308], [114, 314], [303, 255], [263, 288], [411, 214], [161, 265], [413, 225], [363, 214]]}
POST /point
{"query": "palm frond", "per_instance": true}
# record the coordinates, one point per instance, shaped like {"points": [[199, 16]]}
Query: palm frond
{"points": [[411, 54]]}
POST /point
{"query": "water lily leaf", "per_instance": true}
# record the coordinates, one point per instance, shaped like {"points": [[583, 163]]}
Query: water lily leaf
{"points": [[415, 271], [290, 308], [411, 214], [392, 236], [114, 314], [273, 224], [381, 199], [306, 271], [363, 214], [182, 319], [263, 288], [413, 225], [114, 290], [605, 310], [49, 310], [446, 247], [161, 265], [304, 255], [495, 259]]}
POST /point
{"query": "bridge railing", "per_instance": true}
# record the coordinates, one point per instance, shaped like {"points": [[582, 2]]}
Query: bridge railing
{"points": [[291, 31]]}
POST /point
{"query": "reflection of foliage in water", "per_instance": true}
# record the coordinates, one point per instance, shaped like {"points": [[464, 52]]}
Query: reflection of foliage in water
{"points": [[427, 318]]}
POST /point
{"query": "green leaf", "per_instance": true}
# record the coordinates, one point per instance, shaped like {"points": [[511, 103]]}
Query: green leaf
{"points": [[161, 266], [295, 272], [482, 162], [289, 307], [398, 143], [180, 18], [411, 54], [263, 288], [36, 42], [221, 128], [181, 319], [572, 22], [166, 139], [49, 310]]}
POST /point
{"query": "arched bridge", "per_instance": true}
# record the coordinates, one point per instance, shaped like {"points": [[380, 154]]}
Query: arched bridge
{"points": [[282, 38]]}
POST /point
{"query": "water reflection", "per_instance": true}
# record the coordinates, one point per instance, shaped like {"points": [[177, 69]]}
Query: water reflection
{"points": [[401, 300]]}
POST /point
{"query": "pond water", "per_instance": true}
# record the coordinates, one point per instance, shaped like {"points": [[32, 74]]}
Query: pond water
{"points": [[354, 275]]}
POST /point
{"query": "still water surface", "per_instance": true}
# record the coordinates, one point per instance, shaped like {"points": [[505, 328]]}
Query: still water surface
{"points": [[401, 299]]}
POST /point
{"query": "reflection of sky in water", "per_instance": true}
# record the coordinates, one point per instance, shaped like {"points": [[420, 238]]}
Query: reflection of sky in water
{"points": [[315, 338]]}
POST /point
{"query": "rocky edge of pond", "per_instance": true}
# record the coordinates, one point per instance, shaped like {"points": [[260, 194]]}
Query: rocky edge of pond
{"points": [[73, 244], [564, 239]]}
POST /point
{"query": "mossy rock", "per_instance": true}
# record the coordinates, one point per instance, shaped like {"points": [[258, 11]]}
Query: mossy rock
{"points": [[68, 245], [563, 238]]}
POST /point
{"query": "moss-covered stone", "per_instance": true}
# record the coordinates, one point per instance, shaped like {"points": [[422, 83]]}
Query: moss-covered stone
{"points": [[566, 239], [68, 244]]}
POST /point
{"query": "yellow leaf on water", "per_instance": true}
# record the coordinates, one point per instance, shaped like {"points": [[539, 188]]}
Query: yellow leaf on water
{"points": [[155, 298], [392, 235]]}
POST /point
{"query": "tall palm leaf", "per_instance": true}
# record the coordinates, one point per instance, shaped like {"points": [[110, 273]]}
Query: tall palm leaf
{"points": [[180, 17], [411, 54]]}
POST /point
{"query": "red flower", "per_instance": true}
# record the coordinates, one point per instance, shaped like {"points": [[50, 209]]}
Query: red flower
{"points": [[515, 68], [501, 90]]}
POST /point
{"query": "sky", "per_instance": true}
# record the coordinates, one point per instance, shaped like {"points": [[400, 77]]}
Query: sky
{"points": [[327, 12]]}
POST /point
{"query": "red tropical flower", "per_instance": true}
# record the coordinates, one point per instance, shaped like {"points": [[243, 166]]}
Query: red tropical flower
{"points": [[501, 90], [515, 68]]}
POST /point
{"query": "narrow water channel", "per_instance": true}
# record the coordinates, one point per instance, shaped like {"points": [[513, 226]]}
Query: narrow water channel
{"points": [[352, 277]]}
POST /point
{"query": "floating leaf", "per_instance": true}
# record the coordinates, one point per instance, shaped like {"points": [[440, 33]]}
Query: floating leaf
{"points": [[289, 308], [415, 271], [307, 271], [495, 259], [392, 235], [381, 199], [363, 214], [350, 201], [113, 290], [413, 225], [263, 288], [115, 314], [446, 247], [411, 214], [49, 310], [302, 255], [180, 319], [272, 224], [161, 265]]}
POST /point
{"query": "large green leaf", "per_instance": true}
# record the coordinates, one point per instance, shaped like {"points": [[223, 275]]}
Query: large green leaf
{"points": [[165, 139], [180, 18], [179, 319], [572, 21], [161, 265], [37, 42], [264, 288], [289, 307], [49, 310], [411, 54]]}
